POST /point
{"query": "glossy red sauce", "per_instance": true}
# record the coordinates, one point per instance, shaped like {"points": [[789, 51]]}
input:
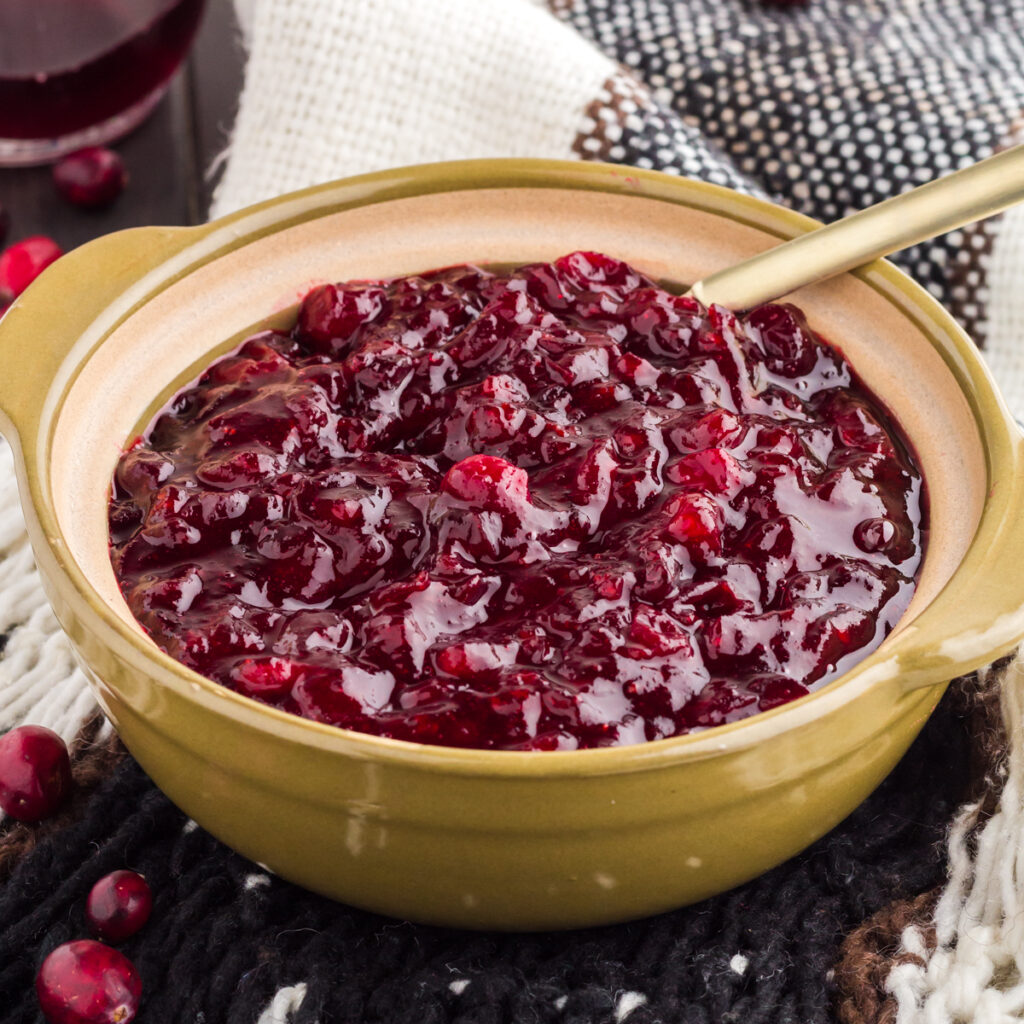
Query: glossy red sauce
{"points": [[554, 508]]}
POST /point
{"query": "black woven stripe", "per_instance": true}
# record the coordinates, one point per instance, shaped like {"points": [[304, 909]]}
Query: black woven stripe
{"points": [[826, 107]]}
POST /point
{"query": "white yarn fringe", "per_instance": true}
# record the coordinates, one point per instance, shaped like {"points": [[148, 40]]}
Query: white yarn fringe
{"points": [[284, 1005], [39, 680], [975, 973]]}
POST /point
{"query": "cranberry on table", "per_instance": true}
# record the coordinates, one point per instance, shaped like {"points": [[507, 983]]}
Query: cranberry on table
{"points": [[547, 509], [92, 177], [118, 905], [87, 982], [23, 262], [35, 772]]}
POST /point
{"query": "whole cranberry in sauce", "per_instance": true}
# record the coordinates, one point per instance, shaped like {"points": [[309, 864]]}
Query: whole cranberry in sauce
{"points": [[86, 982], [118, 905], [35, 772], [553, 508]]}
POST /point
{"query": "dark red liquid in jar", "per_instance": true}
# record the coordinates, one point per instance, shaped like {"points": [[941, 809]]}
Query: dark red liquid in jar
{"points": [[66, 65], [544, 510]]}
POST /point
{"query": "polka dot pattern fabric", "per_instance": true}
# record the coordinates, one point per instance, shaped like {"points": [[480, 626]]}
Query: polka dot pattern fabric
{"points": [[626, 125], [827, 106]]}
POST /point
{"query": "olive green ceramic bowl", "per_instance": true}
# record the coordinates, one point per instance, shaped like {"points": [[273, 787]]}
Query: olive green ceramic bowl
{"points": [[482, 838]]}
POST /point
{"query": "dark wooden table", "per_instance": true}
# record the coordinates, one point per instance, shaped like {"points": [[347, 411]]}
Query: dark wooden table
{"points": [[168, 157]]}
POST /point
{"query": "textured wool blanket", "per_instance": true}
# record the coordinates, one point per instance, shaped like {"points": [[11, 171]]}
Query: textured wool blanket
{"points": [[911, 910]]}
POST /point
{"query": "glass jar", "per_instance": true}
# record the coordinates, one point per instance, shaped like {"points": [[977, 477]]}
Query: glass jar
{"points": [[76, 73]]}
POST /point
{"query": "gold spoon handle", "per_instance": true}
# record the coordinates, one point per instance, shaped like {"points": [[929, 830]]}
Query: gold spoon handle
{"points": [[968, 195]]}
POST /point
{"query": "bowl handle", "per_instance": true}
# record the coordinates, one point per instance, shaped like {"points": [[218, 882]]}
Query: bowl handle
{"points": [[102, 279], [981, 617]]}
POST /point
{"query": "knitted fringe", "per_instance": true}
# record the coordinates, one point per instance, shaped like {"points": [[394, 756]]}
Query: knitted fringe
{"points": [[872, 951], [39, 680], [973, 967]]}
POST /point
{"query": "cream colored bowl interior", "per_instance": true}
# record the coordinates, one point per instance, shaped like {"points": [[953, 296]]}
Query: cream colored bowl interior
{"points": [[168, 335]]}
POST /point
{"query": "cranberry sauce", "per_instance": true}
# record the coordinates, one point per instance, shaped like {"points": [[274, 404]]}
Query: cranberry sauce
{"points": [[543, 510]]}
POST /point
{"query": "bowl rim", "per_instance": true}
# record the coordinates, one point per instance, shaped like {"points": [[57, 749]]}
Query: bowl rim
{"points": [[916, 667]]}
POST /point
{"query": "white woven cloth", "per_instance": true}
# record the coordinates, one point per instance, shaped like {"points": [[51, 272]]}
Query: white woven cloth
{"points": [[1004, 347], [381, 85], [339, 87]]}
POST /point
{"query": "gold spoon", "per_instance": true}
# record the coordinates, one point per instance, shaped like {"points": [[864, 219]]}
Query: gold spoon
{"points": [[950, 202]]}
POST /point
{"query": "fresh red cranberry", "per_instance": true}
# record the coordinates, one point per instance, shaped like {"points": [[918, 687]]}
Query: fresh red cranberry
{"points": [[35, 772], [23, 262], [86, 982], [92, 177], [549, 509], [118, 905]]}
